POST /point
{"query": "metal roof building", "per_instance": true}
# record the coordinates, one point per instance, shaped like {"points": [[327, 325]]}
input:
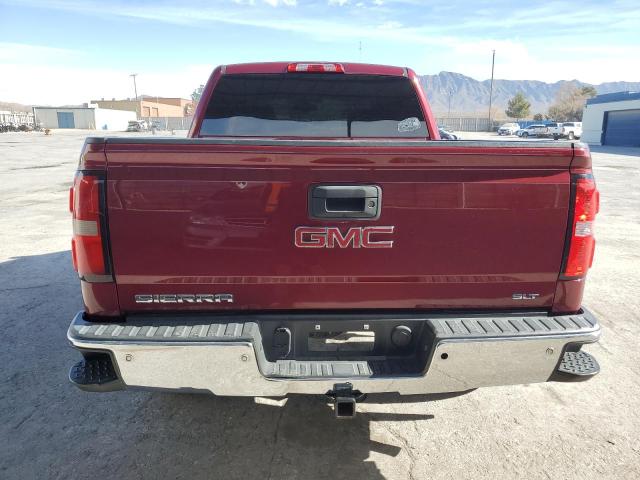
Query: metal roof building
{"points": [[88, 117], [612, 119]]}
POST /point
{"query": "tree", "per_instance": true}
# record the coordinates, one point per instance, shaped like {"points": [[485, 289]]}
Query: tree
{"points": [[190, 108], [569, 103], [538, 117], [518, 107], [195, 96], [588, 91]]}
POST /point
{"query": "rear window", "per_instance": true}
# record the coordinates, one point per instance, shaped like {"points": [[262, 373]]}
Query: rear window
{"points": [[314, 105]]}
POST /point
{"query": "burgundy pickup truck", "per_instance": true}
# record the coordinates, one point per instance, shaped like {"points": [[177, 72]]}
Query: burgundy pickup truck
{"points": [[314, 235]]}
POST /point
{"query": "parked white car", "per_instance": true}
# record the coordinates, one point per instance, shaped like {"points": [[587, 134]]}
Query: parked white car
{"points": [[554, 130], [508, 129], [532, 131], [571, 130], [568, 130]]}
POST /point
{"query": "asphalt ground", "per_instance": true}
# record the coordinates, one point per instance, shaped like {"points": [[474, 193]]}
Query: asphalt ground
{"points": [[49, 429]]}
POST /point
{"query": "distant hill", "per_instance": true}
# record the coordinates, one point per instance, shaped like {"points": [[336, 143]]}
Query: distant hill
{"points": [[470, 96], [14, 107]]}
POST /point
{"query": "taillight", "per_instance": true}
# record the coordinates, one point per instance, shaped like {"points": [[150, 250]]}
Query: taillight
{"points": [[315, 68], [88, 246], [581, 240]]}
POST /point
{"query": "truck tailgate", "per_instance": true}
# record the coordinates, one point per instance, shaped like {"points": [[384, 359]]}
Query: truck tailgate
{"points": [[475, 224]]}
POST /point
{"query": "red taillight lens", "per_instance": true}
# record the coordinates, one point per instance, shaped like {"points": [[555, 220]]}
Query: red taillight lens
{"points": [[315, 68], [582, 241], [87, 246]]}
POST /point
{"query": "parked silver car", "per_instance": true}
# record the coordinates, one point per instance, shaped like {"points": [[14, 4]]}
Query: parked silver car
{"points": [[532, 131], [137, 126], [446, 134]]}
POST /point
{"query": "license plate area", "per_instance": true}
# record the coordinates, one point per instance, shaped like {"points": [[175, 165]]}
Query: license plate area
{"points": [[345, 341], [348, 337]]}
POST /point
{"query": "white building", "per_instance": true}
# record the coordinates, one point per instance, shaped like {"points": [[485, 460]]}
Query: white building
{"points": [[90, 117], [612, 119], [18, 118]]}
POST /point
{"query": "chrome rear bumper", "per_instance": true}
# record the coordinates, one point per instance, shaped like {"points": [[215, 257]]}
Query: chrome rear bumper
{"points": [[228, 358]]}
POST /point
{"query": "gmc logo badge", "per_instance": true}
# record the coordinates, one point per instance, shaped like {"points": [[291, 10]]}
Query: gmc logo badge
{"points": [[332, 237]]}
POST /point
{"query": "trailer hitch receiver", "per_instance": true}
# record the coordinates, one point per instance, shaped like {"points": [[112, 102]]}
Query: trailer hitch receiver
{"points": [[344, 399]]}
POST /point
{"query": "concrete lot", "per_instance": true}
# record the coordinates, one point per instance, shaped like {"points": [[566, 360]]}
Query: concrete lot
{"points": [[49, 429]]}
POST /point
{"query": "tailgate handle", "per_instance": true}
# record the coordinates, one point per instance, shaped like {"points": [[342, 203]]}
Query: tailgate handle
{"points": [[345, 201]]}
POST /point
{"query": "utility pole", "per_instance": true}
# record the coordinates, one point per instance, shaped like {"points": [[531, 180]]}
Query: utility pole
{"points": [[450, 93], [360, 49], [135, 89], [493, 61]]}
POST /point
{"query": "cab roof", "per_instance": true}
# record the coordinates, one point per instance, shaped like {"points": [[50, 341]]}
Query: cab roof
{"points": [[281, 67]]}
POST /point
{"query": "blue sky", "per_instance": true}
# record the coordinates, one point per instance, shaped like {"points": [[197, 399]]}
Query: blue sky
{"points": [[58, 51]]}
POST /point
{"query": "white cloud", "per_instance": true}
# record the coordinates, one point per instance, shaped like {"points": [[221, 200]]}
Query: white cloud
{"points": [[316, 27], [17, 52], [390, 25], [57, 85], [273, 3], [542, 61], [277, 3], [50, 75], [547, 17]]}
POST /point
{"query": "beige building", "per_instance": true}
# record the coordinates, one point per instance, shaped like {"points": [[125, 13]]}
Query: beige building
{"points": [[150, 106], [87, 117]]}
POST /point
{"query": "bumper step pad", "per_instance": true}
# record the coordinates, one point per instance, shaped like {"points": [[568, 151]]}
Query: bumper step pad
{"points": [[95, 374], [579, 364]]}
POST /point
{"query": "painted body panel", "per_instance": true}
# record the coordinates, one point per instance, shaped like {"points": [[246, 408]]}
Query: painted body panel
{"points": [[473, 225]]}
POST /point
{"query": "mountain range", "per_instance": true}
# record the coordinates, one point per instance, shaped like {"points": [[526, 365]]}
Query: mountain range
{"points": [[471, 97]]}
